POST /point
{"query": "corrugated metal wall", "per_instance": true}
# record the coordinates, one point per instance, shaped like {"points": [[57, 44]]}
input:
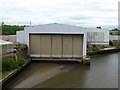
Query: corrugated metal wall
{"points": [[77, 45], [57, 46], [35, 44], [114, 37], [98, 37], [45, 45]]}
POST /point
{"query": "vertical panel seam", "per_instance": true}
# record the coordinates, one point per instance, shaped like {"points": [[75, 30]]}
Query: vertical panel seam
{"points": [[72, 46], [40, 46], [51, 46]]}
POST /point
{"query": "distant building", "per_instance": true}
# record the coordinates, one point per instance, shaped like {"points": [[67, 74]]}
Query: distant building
{"points": [[6, 47], [114, 37]]}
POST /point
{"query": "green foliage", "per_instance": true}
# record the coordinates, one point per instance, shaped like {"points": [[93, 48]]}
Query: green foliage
{"points": [[9, 64], [98, 27], [11, 29], [94, 45], [110, 43], [110, 33], [21, 61], [96, 49], [22, 47], [117, 46], [93, 49], [89, 49], [115, 29], [102, 47]]}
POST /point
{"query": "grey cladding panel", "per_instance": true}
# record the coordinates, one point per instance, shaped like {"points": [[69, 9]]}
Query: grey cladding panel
{"points": [[35, 44]]}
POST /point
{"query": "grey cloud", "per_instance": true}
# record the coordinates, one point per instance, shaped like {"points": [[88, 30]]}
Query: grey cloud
{"points": [[77, 12]]}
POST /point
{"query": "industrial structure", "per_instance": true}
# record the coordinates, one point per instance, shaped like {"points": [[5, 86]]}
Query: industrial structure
{"points": [[94, 35], [114, 37], [6, 47], [60, 40]]}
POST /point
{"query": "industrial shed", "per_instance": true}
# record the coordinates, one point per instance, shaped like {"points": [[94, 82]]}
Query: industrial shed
{"points": [[94, 35], [60, 40]]}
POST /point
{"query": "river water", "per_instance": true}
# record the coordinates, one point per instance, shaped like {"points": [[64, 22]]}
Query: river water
{"points": [[102, 73]]}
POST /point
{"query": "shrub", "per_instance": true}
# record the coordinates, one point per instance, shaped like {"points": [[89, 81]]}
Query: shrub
{"points": [[110, 43], [89, 49], [9, 64], [117, 46], [93, 49], [102, 46], [96, 49], [94, 45], [110, 33], [21, 61], [22, 47]]}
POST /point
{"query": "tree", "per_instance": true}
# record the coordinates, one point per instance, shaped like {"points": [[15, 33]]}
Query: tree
{"points": [[98, 27], [115, 29], [2, 23], [11, 29]]}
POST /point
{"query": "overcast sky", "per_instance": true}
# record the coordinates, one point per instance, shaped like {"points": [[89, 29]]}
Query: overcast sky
{"points": [[84, 13]]}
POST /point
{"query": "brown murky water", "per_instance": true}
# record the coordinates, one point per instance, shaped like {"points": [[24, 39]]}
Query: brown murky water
{"points": [[102, 73]]}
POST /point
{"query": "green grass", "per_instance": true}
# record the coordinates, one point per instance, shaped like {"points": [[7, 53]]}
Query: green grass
{"points": [[5, 73], [9, 65], [93, 49]]}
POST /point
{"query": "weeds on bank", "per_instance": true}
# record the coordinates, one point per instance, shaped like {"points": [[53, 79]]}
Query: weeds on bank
{"points": [[9, 65], [95, 48]]}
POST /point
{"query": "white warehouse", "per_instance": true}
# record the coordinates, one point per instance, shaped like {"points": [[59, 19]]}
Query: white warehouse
{"points": [[96, 36], [60, 40]]}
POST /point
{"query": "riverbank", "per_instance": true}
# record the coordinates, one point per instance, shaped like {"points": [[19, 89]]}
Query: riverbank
{"points": [[46, 73], [38, 73], [103, 51], [101, 74]]}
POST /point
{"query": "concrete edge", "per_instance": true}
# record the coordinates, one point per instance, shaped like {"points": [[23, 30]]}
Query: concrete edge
{"points": [[90, 54]]}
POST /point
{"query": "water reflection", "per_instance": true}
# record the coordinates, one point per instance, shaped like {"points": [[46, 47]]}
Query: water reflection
{"points": [[102, 73]]}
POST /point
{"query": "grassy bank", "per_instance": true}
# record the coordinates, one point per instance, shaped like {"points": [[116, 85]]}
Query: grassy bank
{"points": [[95, 48], [9, 65]]}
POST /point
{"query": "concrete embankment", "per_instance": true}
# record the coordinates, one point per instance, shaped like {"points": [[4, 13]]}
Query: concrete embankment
{"points": [[104, 51]]}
